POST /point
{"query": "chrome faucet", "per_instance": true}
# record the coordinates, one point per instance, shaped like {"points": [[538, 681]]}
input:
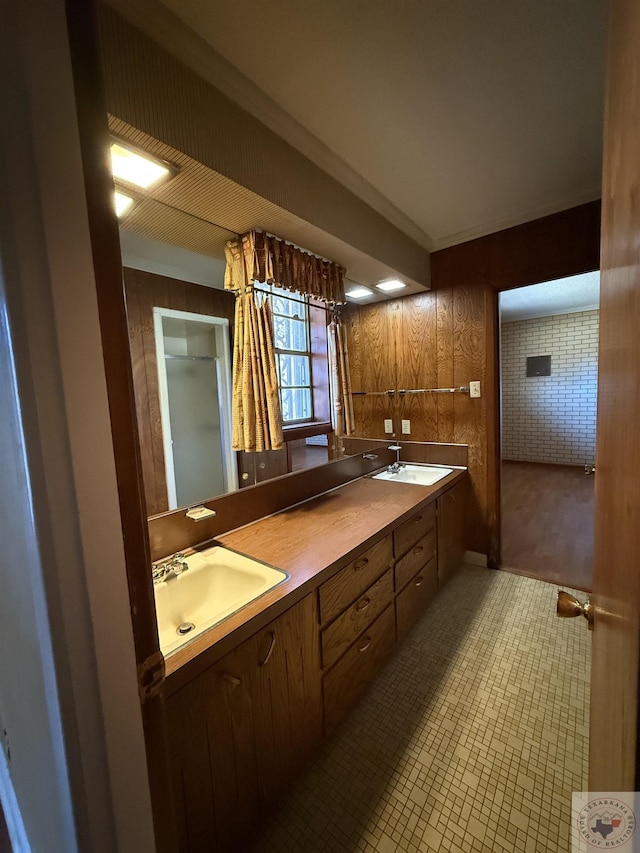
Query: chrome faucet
{"points": [[171, 567], [397, 465]]}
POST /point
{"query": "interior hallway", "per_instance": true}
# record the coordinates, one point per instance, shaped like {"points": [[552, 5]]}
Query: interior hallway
{"points": [[471, 739], [547, 522]]}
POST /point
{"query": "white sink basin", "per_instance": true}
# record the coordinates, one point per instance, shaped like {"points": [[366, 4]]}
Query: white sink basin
{"points": [[217, 584], [421, 475]]}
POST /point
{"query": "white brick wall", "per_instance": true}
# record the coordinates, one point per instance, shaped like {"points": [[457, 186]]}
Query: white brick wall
{"points": [[550, 418]]}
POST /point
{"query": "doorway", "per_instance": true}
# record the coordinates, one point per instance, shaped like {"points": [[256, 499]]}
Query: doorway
{"points": [[548, 381], [194, 374]]}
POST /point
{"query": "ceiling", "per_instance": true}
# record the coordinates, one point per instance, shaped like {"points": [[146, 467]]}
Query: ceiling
{"points": [[454, 119], [564, 296]]}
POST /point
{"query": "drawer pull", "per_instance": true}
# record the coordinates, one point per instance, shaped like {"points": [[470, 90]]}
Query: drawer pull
{"points": [[270, 650], [419, 581], [231, 679], [417, 519], [418, 550], [363, 604], [367, 643], [360, 564]]}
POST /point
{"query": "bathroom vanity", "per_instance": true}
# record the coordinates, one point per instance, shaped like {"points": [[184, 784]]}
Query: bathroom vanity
{"points": [[249, 701]]}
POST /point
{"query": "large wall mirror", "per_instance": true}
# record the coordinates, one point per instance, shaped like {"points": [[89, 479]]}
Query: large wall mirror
{"points": [[180, 329]]}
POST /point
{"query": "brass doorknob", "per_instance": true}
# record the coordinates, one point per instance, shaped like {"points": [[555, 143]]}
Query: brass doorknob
{"points": [[568, 606]]}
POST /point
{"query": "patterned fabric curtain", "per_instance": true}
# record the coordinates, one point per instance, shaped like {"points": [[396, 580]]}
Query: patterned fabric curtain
{"points": [[342, 418], [260, 257], [257, 419], [256, 414]]}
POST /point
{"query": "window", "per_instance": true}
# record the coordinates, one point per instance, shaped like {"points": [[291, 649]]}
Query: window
{"points": [[291, 333]]}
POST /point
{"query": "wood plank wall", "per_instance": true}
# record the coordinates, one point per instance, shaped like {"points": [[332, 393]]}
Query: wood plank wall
{"points": [[144, 291], [449, 337]]}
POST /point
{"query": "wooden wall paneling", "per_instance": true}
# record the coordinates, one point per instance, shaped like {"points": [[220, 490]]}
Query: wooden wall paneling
{"points": [[417, 364], [160, 496], [469, 363], [444, 362]]}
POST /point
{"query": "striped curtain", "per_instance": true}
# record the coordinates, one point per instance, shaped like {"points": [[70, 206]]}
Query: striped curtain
{"points": [[342, 418]]}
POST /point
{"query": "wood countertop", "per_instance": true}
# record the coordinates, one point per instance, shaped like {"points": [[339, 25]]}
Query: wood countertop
{"points": [[310, 541]]}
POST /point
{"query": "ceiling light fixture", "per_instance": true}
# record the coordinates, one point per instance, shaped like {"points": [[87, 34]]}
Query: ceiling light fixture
{"points": [[391, 284], [122, 203], [135, 167], [359, 293]]}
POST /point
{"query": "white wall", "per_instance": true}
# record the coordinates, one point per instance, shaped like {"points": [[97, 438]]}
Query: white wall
{"points": [[75, 769], [550, 418]]}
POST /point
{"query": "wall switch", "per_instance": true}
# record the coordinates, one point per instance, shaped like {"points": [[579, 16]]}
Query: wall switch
{"points": [[406, 427], [388, 425], [474, 389]]}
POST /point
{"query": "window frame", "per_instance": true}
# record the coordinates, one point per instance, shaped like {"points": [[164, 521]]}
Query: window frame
{"points": [[317, 342]]}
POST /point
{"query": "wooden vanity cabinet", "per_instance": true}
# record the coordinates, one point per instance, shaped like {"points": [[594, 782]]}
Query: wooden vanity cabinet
{"points": [[241, 730], [415, 546], [451, 549], [358, 628]]}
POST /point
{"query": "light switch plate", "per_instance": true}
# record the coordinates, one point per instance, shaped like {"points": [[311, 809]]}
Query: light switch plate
{"points": [[474, 389], [406, 427], [388, 425]]}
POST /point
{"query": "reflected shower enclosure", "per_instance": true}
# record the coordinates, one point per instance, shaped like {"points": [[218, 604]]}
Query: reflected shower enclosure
{"points": [[194, 373]]}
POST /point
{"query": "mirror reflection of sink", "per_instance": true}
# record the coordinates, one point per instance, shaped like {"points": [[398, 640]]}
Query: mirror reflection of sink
{"points": [[218, 583], [421, 475]]}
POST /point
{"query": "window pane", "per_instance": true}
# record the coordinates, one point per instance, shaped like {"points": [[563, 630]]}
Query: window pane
{"points": [[282, 305], [290, 334], [293, 370], [296, 404]]}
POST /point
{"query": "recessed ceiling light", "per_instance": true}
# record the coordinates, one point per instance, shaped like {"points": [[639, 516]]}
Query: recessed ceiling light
{"points": [[391, 284], [136, 168], [359, 293], [122, 203]]}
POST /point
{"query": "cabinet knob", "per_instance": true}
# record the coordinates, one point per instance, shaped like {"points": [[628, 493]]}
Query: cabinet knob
{"points": [[419, 581], [363, 604], [360, 564], [417, 519], [231, 679], [418, 550], [262, 465], [245, 476]]}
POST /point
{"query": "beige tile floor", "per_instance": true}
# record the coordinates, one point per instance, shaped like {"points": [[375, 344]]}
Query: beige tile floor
{"points": [[471, 739]]}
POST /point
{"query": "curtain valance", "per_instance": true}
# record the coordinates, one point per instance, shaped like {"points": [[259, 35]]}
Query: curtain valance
{"points": [[256, 256]]}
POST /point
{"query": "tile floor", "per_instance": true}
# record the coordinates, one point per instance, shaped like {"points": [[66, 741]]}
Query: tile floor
{"points": [[471, 739]]}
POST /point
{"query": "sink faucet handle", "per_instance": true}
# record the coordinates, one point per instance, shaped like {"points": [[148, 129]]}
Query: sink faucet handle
{"points": [[179, 563]]}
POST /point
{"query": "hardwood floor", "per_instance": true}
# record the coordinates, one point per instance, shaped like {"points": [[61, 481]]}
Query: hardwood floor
{"points": [[547, 523]]}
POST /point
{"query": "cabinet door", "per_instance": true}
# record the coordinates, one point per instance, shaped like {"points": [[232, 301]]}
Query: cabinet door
{"points": [[287, 696], [450, 531], [211, 738], [240, 730], [413, 599]]}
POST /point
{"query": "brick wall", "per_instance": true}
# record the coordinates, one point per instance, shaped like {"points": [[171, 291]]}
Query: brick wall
{"points": [[550, 418]]}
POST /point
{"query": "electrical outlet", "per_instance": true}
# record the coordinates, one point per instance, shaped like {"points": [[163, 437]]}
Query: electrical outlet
{"points": [[474, 389], [388, 425], [406, 427]]}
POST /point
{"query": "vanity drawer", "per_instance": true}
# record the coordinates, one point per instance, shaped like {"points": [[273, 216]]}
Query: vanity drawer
{"points": [[338, 636], [415, 558], [349, 583], [413, 530], [350, 677], [411, 602]]}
